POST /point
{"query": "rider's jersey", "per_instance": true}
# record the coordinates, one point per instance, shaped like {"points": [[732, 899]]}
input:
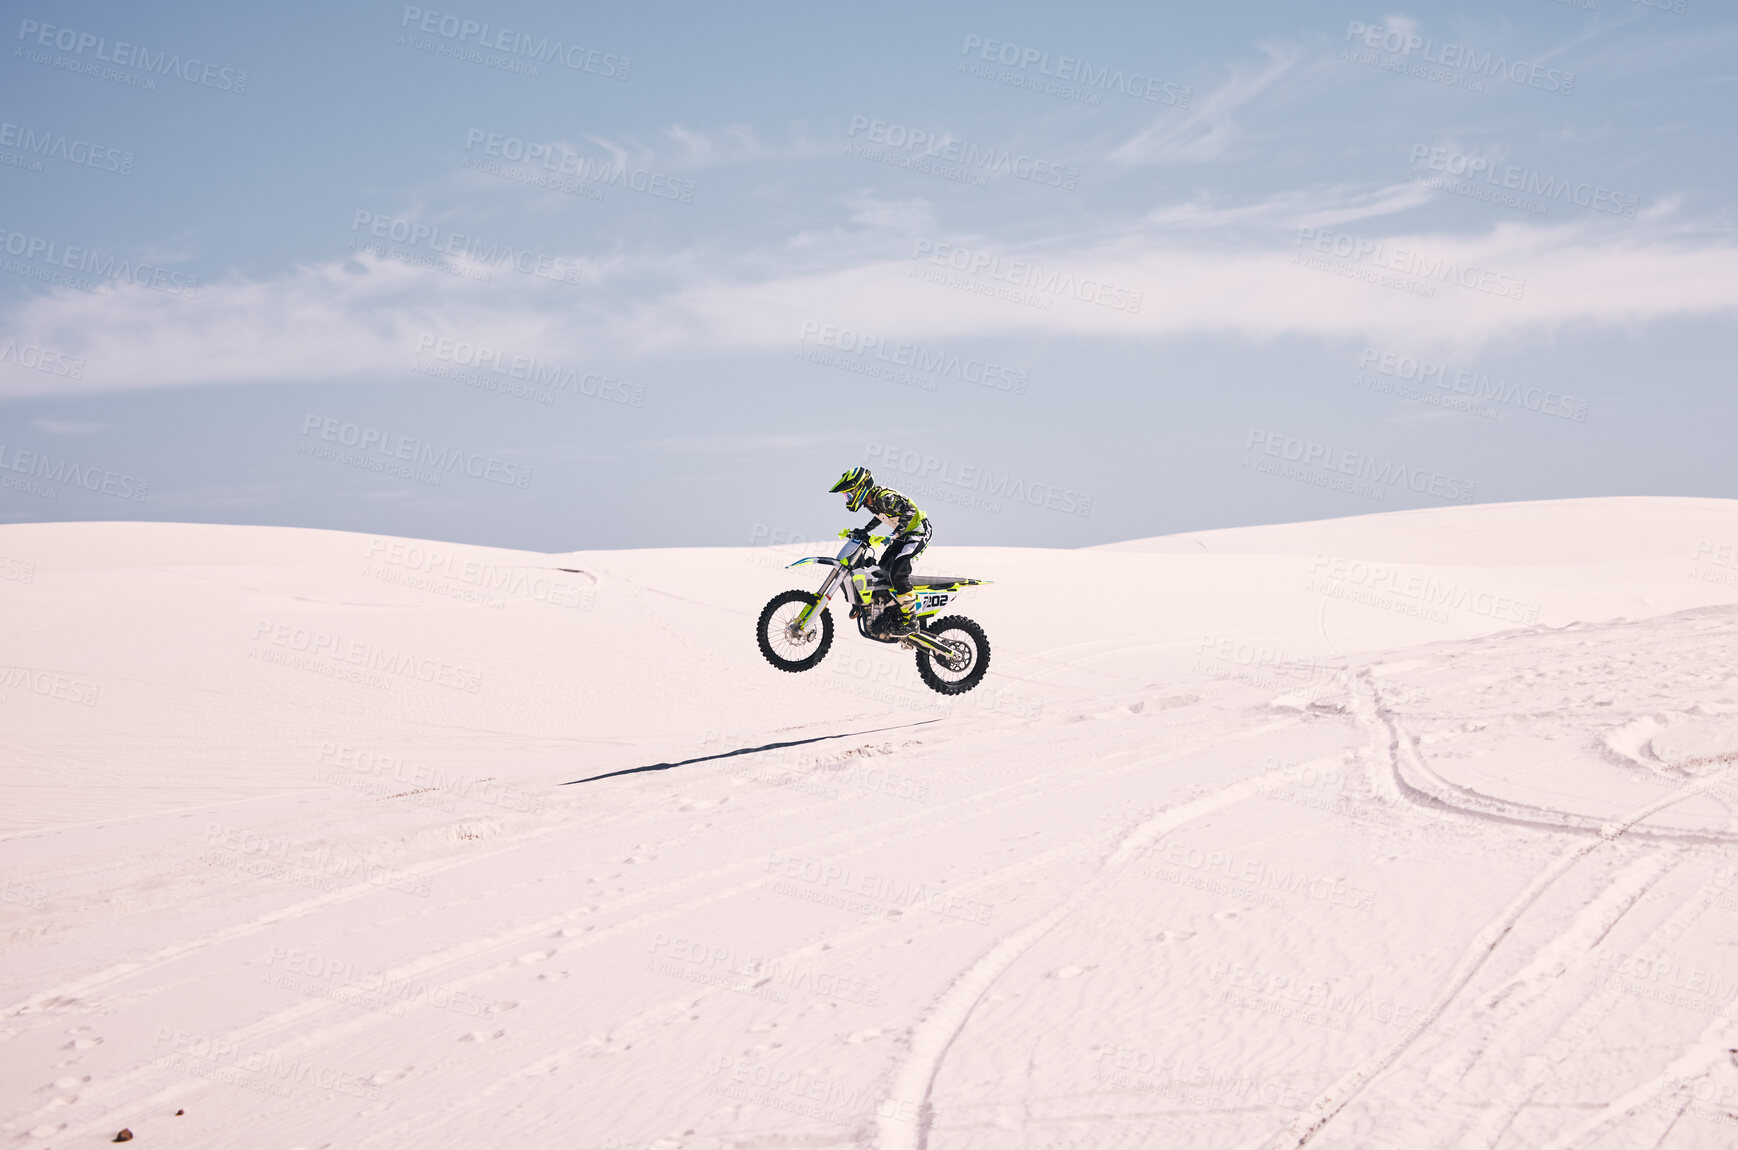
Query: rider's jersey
{"points": [[894, 509]]}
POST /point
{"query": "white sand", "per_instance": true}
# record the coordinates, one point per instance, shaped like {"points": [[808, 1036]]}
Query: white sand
{"points": [[1411, 830]]}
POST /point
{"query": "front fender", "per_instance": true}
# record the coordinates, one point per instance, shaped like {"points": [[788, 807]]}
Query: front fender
{"points": [[823, 560]]}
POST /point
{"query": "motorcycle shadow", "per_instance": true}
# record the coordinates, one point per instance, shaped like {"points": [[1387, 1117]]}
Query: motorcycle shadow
{"points": [[745, 751]]}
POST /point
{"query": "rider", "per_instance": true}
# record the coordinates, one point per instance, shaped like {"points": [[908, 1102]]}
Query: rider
{"points": [[911, 532]]}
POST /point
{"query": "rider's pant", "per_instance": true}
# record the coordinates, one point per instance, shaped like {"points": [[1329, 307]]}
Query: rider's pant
{"points": [[902, 551]]}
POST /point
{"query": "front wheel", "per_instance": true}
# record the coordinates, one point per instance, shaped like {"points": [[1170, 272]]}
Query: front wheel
{"points": [[786, 645], [970, 659]]}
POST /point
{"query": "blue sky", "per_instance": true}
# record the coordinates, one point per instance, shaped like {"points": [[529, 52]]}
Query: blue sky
{"points": [[653, 275]]}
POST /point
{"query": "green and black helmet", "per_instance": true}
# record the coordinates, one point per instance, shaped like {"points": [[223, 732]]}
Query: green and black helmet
{"points": [[855, 484]]}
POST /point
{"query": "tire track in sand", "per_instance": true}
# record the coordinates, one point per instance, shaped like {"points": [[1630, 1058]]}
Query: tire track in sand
{"points": [[946, 1018], [1339, 1094], [929, 820]]}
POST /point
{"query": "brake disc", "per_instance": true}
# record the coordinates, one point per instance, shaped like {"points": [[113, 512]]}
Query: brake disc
{"points": [[961, 657]]}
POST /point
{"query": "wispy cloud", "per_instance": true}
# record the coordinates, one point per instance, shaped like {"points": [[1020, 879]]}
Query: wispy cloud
{"points": [[1209, 129], [362, 317], [1317, 206], [735, 144]]}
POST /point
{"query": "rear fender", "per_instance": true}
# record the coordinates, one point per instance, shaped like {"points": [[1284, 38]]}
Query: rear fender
{"points": [[932, 598], [931, 602]]}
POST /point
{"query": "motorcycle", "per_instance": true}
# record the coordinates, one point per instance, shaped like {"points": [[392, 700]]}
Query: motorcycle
{"points": [[795, 630]]}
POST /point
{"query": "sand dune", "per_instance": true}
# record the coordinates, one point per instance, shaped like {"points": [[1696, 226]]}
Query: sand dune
{"points": [[1408, 830]]}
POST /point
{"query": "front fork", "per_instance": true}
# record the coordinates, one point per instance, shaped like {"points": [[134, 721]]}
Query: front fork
{"points": [[821, 597]]}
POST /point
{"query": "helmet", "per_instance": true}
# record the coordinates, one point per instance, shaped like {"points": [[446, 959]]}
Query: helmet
{"points": [[855, 483]]}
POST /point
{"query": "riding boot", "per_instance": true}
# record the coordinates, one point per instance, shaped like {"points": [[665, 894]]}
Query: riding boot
{"points": [[905, 621]]}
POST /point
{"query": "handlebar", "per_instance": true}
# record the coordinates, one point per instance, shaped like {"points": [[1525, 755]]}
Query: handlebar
{"points": [[863, 537]]}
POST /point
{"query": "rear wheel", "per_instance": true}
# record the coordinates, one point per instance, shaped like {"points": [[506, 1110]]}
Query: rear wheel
{"points": [[962, 671], [786, 645]]}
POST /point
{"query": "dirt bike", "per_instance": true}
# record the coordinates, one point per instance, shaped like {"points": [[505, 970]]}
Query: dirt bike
{"points": [[796, 628]]}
